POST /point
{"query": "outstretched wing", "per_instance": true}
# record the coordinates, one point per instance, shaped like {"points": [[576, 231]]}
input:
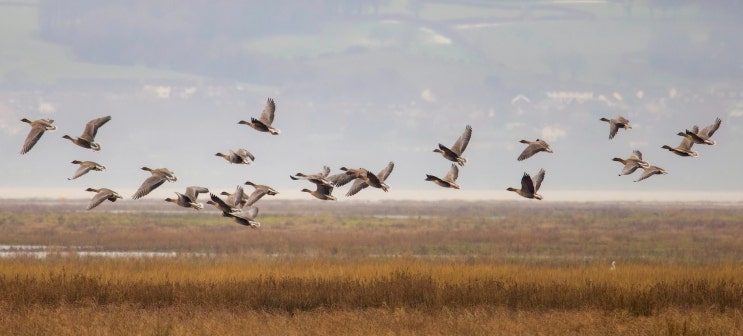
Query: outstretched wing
{"points": [[709, 130], [148, 185], [538, 180], [384, 173], [91, 128], [255, 196], [99, 197], [357, 186], [341, 179], [82, 170], [193, 192], [268, 112], [461, 144], [453, 173], [33, 136], [527, 184]]}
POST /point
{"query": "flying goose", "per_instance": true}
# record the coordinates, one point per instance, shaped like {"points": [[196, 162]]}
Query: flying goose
{"points": [[454, 153], [530, 186], [320, 177], [616, 124], [38, 127], [263, 123], [159, 176], [222, 206], [87, 139], [101, 195], [366, 178], [269, 191], [246, 218], [85, 167], [631, 163], [235, 200], [241, 156], [449, 181], [650, 171], [702, 137], [683, 149], [533, 147], [188, 200], [322, 192]]}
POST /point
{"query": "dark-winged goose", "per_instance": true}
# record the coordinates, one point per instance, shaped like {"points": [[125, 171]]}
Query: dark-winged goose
{"points": [[454, 153], [530, 186], [263, 123], [631, 163], [241, 156], [449, 181], [188, 199], [702, 137]]}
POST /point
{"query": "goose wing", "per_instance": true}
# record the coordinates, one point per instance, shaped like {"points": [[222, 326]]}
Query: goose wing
{"points": [[99, 197], [527, 184], [193, 192], [268, 112], [357, 186], [91, 128], [529, 151], [341, 179], [384, 173], [33, 136], [613, 129], [236, 198], [711, 129], [637, 154], [255, 196], [453, 174], [149, 185], [84, 168], [242, 152], [538, 180], [220, 204], [461, 144]]}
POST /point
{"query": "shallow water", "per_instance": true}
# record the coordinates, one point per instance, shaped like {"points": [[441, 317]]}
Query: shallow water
{"points": [[44, 251]]}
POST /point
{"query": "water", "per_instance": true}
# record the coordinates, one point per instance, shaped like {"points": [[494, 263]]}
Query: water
{"points": [[44, 251]]}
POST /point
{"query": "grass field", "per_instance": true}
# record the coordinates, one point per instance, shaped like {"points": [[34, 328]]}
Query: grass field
{"points": [[467, 268]]}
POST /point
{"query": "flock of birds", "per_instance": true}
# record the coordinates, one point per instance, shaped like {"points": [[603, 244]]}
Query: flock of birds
{"points": [[240, 206]]}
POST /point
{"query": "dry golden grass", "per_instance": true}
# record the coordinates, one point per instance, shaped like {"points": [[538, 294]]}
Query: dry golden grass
{"points": [[486, 271]]}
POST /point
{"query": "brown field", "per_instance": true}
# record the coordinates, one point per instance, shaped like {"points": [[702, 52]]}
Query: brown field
{"points": [[471, 268]]}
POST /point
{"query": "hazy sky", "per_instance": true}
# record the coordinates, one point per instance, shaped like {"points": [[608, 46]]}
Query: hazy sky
{"points": [[373, 86]]}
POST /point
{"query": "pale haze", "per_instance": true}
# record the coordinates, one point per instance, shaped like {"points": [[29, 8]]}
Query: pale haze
{"points": [[363, 83]]}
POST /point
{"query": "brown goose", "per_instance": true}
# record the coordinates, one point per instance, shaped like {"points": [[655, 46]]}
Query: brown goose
{"points": [[454, 153], [366, 178], [631, 163], [650, 171], [269, 191], [533, 147], [188, 200], [221, 205], [87, 139], [530, 186], [237, 199], [615, 124], [241, 156], [246, 218], [683, 149], [322, 192], [449, 181], [258, 193], [263, 123], [702, 137], [159, 176], [85, 167], [101, 195], [320, 177], [38, 127]]}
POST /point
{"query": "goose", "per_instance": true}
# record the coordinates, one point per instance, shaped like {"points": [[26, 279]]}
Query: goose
{"points": [[38, 127], [616, 124], [683, 149], [454, 153], [263, 123], [235, 200], [366, 178], [188, 200], [85, 167], [650, 171], [246, 218], [702, 137], [269, 191], [159, 176], [631, 163], [87, 139], [449, 181], [320, 177], [533, 147], [530, 186], [221, 205], [322, 192], [241, 156], [101, 195]]}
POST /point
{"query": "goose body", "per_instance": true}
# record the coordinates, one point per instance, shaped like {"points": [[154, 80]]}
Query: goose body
{"points": [[322, 191], [365, 178], [85, 167], [534, 147], [320, 177], [530, 186], [38, 127], [683, 149], [241, 156], [454, 153], [615, 124], [188, 199], [101, 195], [265, 121], [159, 176], [449, 181], [87, 139], [631, 163]]}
